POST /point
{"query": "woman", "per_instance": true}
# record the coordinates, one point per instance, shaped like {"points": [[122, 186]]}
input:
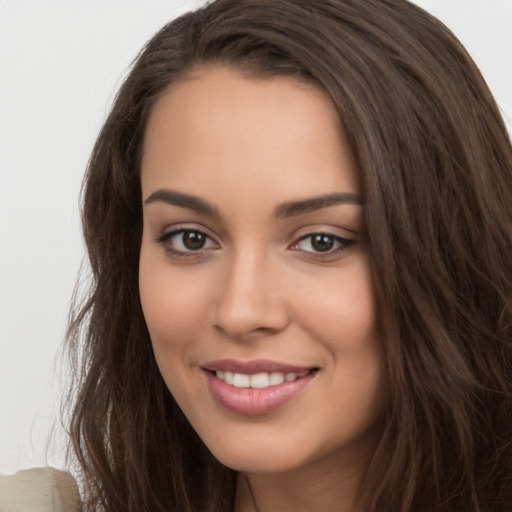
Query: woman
{"points": [[298, 218]]}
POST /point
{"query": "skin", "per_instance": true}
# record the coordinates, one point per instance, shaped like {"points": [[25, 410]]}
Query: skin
{"points": [[259, 288]]}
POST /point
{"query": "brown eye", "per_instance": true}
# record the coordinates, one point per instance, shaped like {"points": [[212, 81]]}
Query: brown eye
{"points": [[193, 240], [186, 241], [322, 243]]}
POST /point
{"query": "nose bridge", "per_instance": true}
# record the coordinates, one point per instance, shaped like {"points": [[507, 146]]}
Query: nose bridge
{"points": [[249, 299]]}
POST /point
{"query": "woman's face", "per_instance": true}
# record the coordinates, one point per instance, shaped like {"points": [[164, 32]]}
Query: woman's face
{"points": [[255, 276]]}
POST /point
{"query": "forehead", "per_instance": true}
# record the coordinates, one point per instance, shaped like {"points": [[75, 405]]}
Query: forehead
{"points": [[221, 125]]}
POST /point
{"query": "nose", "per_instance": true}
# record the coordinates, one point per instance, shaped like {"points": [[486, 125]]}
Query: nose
{"points": [[250, 299]]}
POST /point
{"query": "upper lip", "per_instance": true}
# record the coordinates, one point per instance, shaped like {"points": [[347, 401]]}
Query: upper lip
{"points": [[254, 366]]}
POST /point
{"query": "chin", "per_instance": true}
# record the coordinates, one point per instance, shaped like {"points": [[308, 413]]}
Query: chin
{"points": [[257, 460], [264, 448]]}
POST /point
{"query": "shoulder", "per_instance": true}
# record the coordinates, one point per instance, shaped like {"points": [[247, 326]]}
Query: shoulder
{"points": [[39, 490]]}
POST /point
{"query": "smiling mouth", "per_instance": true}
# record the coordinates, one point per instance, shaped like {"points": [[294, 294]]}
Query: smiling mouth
{"points": [[246, 389], [258, 380]]}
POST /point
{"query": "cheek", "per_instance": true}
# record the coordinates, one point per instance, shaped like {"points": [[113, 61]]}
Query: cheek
{"points": [[342, 316], [342, 309], [173, 308]]}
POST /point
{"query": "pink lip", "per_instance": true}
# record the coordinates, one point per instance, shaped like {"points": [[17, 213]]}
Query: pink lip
{"points": [[255, 366], [251, 401]]}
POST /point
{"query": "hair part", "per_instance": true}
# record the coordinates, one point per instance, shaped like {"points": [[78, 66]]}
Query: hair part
{"points": [[435, 165]]}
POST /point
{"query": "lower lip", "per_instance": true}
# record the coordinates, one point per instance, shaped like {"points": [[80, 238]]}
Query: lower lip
{"points": [[252, 401]]}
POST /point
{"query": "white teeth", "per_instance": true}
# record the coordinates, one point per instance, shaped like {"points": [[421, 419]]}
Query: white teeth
{"points": [[258, 380], [276, 378], [241, 380]]}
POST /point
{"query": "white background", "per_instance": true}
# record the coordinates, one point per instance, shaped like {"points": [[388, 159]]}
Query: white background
{"points": [[60, 65]]}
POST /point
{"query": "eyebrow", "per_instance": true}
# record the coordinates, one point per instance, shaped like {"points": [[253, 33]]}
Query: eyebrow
{"points": [[282, 211], [293, 208], [182, 200]]}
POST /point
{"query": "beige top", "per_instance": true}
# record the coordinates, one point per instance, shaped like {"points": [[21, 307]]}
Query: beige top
{"points": [[39, 490]]}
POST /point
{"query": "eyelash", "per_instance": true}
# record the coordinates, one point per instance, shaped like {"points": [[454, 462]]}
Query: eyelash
{"points": [[341, 243], [167, 237]]}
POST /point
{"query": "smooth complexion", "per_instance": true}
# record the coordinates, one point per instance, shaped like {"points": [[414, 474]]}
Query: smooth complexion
{"points": [[254, 263]]}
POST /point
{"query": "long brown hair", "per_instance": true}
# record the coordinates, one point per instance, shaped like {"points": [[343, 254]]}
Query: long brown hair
{"points": [[435, 164]]}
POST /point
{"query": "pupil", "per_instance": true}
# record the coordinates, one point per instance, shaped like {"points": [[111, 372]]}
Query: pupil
{"points": [[193, 240], [322, 243]]}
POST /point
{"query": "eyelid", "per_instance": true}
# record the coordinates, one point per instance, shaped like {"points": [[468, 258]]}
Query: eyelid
{"points": [[170, 234], [323, 229], [344, 242], [339, 238], [176, 229]]}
